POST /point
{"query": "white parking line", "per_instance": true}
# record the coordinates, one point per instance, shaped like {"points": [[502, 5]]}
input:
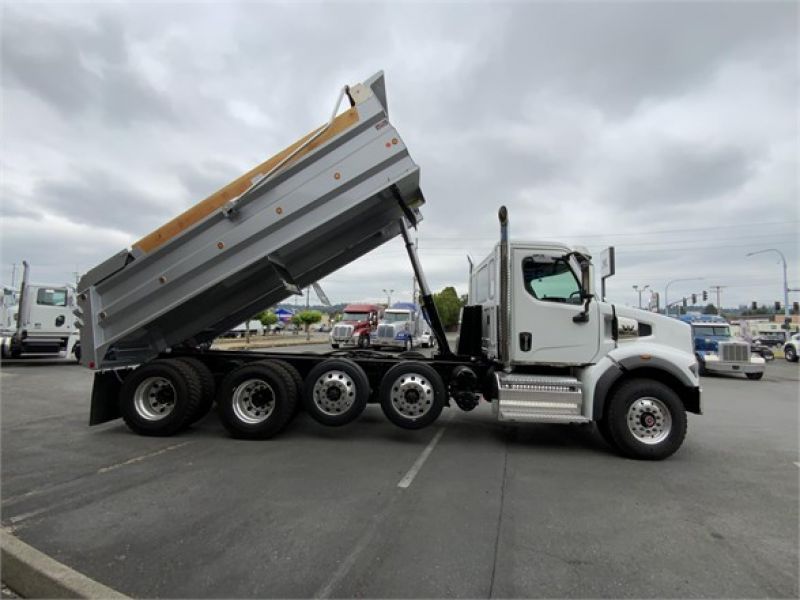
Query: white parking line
{"points": [[141, 458], [412, 472]]}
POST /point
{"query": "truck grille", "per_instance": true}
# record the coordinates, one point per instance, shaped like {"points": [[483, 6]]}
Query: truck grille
{"points": [[342, 331], [386, 331], [734, 351]]}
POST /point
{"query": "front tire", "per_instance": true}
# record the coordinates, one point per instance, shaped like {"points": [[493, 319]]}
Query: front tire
{"points": [[256, 401], [160, 398], [790, 354], [335, 346], [412, 395], [646, 419], [755, 376]]}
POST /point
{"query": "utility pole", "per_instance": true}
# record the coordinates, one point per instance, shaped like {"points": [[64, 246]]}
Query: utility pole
{"points": [[718, 289], [786, 318], [388, 297], [13, 274], [639, 290]]}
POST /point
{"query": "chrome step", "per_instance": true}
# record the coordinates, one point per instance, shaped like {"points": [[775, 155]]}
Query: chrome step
{"points": [[538, 399]]}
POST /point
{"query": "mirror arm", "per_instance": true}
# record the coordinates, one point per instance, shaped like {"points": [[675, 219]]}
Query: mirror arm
{"points": [[583, 317]]}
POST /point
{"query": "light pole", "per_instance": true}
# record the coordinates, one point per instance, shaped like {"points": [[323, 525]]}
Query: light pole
{"points": [[666, 291], [388, 297], [639, 290], [786, 318]]}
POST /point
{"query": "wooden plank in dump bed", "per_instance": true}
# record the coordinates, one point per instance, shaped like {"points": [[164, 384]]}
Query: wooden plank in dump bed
{"points": [[237, 187]]}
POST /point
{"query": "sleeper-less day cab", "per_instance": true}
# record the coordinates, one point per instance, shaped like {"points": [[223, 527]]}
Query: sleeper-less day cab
{"points": [[534, 340]]}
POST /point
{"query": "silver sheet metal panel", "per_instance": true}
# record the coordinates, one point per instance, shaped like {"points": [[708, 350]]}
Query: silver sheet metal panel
{"points": [[305, 221]]}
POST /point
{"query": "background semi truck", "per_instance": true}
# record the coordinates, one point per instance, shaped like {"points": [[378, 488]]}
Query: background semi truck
{"points": [[357, 324], [42, 322], [402, 326], [534, 340], [718, 351]]}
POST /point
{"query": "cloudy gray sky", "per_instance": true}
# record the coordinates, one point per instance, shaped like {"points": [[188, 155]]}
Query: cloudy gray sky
{"points": [[669, 130]]}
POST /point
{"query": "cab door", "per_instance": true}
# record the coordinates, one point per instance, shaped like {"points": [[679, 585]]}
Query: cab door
{"points": [[545, 298]]}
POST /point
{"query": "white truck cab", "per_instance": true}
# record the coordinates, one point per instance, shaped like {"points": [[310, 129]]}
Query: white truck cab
{"points": [[561, 358], [45, 323]]}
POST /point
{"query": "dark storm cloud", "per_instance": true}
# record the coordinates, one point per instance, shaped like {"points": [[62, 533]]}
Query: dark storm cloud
{"points": [[93, 197], [617, 55], [686, 174], [79, 68]]}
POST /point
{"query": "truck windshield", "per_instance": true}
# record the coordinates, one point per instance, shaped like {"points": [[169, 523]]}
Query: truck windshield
{"points": [[716, 330], [395, 317], [355, 316]]}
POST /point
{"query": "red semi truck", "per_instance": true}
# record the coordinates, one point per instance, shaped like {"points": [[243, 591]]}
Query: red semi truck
{"points": [[357, 323]]}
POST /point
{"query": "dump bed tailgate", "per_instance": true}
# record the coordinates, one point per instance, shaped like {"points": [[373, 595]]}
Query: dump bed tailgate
{"points": [[325, 201]]}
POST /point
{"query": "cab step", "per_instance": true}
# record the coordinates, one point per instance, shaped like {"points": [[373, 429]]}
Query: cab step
{"points": [[538, 399]]}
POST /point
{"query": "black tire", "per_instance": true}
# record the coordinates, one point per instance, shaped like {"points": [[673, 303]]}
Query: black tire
{"points": [[363, 342], [701, 367], [790, 354], [421, 403], [207, 385], [605, 432], [256, 401], [336, 392], [335, 346], [160, 397], [645, 391], [296, 378], [76, 351], [755, 376]]}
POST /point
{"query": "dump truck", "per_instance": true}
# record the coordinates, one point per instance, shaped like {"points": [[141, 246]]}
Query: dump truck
{"points": [[534, 341]]}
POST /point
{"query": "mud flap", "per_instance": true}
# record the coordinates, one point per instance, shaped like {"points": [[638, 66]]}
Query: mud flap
{"points": [[105, 392]]}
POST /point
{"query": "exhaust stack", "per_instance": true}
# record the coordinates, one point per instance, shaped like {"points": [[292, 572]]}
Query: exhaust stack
{"points": [[504, 318]]}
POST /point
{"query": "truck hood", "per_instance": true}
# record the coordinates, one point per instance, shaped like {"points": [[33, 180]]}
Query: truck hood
{"points": [[663, 330]]}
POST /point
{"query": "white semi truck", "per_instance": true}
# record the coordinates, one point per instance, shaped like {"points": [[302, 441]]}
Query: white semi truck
{"points": [[534, 341], [44, 323], [401, 326]]}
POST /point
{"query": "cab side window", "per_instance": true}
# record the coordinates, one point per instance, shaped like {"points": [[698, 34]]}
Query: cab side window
{"points": [[51, 297], [550, 279]]}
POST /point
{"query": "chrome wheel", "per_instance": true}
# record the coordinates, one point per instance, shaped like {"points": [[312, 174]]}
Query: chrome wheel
{"points": [[334, 392], [253, 401], [649, 420], [412, 395], [154, 398]]}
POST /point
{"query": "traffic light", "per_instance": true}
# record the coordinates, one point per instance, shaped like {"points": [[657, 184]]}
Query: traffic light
{"points": [[705, 295], [694, 299], [777, 306], [754, 306]]}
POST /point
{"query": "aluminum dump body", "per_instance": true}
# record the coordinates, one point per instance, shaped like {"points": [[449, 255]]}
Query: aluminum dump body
{"points": [[330, 198]]}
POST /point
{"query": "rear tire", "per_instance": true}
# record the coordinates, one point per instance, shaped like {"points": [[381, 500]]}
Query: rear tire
{"points": [[755, 376], [207, 386], [296, 378], [412, 395], [160, 398], [363, 342], [256, 401], [646, 419], [336, 392]]}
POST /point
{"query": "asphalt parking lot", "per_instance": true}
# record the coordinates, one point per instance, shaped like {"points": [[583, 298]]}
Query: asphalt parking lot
{"points": [[494, 511]]}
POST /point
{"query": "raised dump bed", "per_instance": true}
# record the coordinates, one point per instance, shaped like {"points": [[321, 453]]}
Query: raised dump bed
{"points": [[328, 199]]}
